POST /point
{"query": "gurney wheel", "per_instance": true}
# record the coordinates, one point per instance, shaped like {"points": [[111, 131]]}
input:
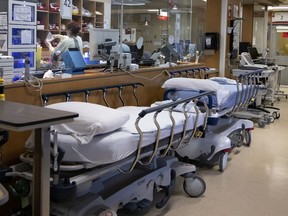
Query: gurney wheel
{"points": [[261, 123], [274, 115], [223, 161], [271, 119], [247, 138], [194, 186], [267, 119], [278, 115]]}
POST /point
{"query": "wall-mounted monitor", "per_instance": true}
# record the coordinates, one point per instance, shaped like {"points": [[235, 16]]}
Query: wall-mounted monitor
{"points": [[211, 41]]}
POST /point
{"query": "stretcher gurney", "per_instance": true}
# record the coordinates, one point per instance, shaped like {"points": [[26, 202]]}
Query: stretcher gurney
{"points": [[256, 109], [224, 132], [123, 167]]}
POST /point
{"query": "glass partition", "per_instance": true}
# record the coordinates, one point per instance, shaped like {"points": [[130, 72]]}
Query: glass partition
{"points": [[179, 23]]}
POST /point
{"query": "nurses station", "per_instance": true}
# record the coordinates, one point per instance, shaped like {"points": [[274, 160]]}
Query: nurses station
{"points": [[108, 107]]}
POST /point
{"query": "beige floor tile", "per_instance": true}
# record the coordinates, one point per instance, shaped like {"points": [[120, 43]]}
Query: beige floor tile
{"points": [[255, 182]]}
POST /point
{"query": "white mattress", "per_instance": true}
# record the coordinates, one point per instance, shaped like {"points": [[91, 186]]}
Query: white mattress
{"points": [[117, 145]]}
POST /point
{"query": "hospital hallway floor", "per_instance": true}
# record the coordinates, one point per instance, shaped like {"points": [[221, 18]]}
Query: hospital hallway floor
{"points": [[255, 183]]}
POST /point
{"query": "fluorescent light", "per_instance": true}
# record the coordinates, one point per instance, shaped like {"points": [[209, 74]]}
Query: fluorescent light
{"points": [[130, 2], [278, 8], [282, 28], [153, 10]]}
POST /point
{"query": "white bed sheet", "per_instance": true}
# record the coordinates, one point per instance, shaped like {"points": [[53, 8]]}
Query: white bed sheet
{"points": [[117, 145]]}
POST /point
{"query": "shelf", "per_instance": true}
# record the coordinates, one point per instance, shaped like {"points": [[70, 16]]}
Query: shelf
{"points": [[47, 17]]}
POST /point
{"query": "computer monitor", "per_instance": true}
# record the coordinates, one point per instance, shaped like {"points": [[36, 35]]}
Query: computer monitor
{"points": [[243, 47], [168, 51], [74, 61], [136, 54], [99, 37], [253, 52]]}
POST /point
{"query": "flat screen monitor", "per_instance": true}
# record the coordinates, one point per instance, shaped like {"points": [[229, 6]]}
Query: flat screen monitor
{"points": [[168, 51], [253, 52], [243, 47], [136, 53], [97, 37]]}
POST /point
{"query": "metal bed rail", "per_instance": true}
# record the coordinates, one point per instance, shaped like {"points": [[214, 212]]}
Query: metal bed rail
{"points": [[248, 81], [189, 73], [173, 143], [87, 92]]}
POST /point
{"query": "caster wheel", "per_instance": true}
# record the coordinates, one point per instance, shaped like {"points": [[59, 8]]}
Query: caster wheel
{"points": [[271, 119], [267, 119], [247, 138], [274, 115], [261, 124], [236, 138], [194, 186], [278, 115], [223, 161]]}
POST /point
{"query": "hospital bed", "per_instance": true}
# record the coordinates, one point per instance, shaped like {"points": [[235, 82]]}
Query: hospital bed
{"points": [[224, 131], [123, 167]]}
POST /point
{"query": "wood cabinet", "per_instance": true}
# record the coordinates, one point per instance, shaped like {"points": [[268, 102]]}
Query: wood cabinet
{"points": [[86, 13]]}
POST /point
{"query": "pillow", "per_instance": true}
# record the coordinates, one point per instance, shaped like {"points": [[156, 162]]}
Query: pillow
{"points": [[93, 119], [180, 83], [224, 80]]}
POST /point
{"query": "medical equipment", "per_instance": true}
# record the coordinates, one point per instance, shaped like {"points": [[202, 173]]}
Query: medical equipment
{"points": [[223, 132], [246, 60], [267, 87], [74, 61], [123, 167]]}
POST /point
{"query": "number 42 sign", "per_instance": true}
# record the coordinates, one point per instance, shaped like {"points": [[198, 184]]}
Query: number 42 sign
{"points": [[66, 9]]}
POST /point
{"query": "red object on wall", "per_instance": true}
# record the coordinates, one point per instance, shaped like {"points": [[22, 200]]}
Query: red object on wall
{"points": [[163, 18], [285, 35]]}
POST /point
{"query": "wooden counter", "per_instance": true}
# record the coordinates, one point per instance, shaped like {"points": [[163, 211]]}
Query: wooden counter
{"points": [[151, 77]]}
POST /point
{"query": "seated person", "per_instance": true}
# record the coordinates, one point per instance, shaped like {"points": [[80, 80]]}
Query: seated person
{"points": [[71, 40]]}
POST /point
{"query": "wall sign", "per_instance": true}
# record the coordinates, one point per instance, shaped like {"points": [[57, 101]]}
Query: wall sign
{"points": [[66, 9], [280, 17]]}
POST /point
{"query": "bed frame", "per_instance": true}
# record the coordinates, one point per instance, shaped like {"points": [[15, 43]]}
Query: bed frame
{"points": [[153, 162]]}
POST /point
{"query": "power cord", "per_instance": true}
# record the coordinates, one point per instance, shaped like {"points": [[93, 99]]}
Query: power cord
{"points": [[34, 84], [166, 72]]}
